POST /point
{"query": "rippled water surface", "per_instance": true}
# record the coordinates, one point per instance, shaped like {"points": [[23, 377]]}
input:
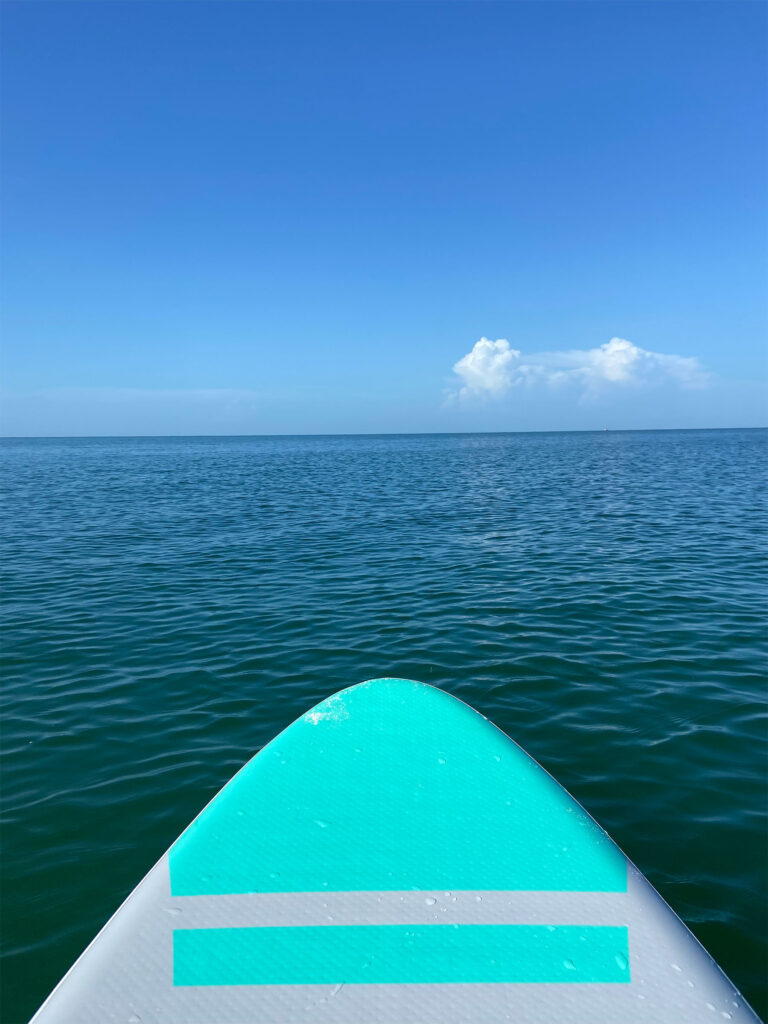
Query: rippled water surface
{"points": [[171, 603]]}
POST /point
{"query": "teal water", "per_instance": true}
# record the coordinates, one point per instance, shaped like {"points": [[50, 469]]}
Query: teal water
{"points": [[169, 604]]}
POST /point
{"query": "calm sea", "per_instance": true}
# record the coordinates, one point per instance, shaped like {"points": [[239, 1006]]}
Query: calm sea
{"points": [[169, 604]]}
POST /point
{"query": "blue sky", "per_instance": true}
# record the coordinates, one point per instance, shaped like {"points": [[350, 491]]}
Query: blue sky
{"points": [[247, 217]]}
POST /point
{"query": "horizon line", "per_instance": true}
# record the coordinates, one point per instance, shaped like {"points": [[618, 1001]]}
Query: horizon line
{"points": [[386, 433]]}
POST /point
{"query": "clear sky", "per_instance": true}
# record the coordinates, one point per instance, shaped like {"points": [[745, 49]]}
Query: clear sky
{"points": [[250, 217]]}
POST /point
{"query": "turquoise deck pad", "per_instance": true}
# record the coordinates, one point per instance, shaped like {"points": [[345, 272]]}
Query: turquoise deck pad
{"points": [[400, 954], [354, 796]]}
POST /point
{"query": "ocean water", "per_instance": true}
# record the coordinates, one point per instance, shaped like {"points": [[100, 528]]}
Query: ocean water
{"points": [[169, 604]]}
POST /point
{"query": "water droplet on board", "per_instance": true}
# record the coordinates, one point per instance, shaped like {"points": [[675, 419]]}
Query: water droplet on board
{"points": [[726, 1015], [691, 984], [676, 968], [569, 965], [174, 911], [322, 824], [430, 901], [134, 1019], [441, 760], [274, 874], [478, 899], [551, 928], [621, 960], [496, 757], [709, 1006]]}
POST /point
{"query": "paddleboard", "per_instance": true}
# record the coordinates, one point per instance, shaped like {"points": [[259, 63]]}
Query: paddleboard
{"points": [[394, 857]]}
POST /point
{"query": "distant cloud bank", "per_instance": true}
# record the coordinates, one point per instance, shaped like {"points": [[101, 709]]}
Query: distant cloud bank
{"points": [[493, 368]]}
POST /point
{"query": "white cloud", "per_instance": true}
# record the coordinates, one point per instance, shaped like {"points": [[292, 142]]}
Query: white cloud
{"points": [[492, 368]]}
